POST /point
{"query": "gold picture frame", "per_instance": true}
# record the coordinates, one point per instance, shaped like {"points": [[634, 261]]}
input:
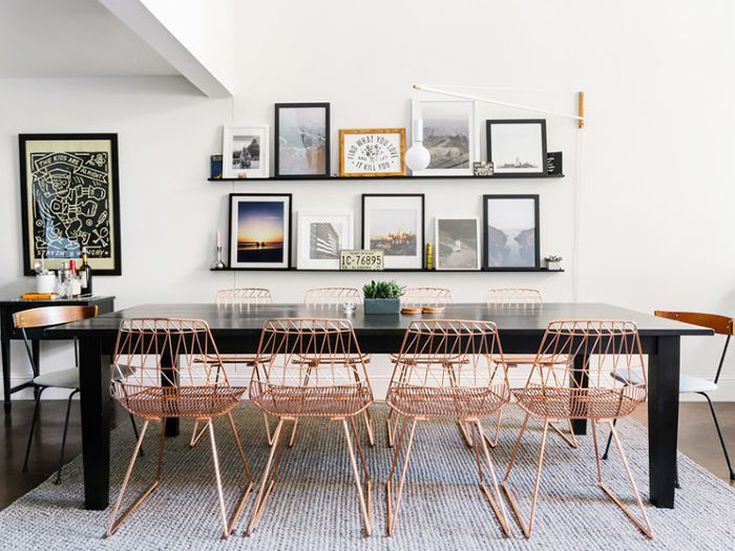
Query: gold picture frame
{"points": [[391, 142]]}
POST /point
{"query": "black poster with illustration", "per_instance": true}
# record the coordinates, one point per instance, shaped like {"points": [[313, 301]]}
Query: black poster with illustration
{"points": [[70, 200]]}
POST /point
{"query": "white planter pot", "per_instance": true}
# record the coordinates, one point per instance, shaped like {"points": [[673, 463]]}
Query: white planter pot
{"points": [[553, 265]]}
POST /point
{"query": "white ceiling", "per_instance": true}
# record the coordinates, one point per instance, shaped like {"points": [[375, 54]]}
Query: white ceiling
{"points": [[71, 38]]}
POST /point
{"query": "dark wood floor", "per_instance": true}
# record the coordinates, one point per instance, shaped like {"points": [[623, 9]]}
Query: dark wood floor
{"points": [[697, 439]]}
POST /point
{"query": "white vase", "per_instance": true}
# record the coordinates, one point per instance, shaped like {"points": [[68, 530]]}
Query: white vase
{"points": [[553, 265]]}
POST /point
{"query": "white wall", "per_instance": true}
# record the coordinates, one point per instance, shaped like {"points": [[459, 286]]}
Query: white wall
{"points": [[656, 200]]}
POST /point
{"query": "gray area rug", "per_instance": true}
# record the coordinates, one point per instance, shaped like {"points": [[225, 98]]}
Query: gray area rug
{"points": [[314, 505]]}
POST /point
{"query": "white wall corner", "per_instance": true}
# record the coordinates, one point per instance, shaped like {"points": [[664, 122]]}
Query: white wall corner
{"points": [[196, 38]]}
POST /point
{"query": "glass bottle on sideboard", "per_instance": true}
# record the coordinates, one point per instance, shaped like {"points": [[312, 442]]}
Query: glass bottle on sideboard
{"points": [[85, 273]]}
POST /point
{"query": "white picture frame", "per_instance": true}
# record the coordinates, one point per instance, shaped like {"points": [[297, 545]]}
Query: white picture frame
{"points": [[457, 243], [388, 215], [320, 235], [455, 117], [236, 139]]}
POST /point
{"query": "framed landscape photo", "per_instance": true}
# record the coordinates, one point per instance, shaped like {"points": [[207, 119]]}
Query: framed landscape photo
{"points": [[70, 198], [517, 146], [511, 231], [372, 152], [302, 140], [448, 134], [245, 151], [457, 243], [321, 235], [260, 230], [395, 224]]}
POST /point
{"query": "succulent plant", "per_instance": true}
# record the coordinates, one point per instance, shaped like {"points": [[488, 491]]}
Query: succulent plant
{"points": [[553, 258], [383, 289]]}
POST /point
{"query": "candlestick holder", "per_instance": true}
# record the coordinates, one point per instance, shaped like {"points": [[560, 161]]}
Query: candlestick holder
{"points": [[219, 263]]}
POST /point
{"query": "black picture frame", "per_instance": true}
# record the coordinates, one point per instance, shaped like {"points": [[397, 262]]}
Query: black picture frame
{"points": [[498, 171], [288, 235], [113, 201], [422, 196], [277, 140], [486, 233]]}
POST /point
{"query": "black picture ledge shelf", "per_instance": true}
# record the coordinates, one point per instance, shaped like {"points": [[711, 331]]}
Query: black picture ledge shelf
{"points": [[406, 178], [395, 270]]}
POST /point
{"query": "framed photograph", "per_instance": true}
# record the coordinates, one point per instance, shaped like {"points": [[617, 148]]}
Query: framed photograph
{"points": [[366, 152], [511, 231], [245, 151], [70, 198], [457, 243], [302, 140], [517, 146], [260, 230], [449, 135], [321, 235], [395, 224]]}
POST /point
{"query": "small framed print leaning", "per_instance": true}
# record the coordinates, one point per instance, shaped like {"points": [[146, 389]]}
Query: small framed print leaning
{"points": [[395, 224], [245, 151], [321, 235], [372, 152], [511, 231], [302, 140], [260, 230], [517, 147], [70, 199], [457, 243]]}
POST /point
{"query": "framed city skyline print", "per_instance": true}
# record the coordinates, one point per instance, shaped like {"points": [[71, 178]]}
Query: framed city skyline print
{"points": [[457, 243], [70, 199], [448, 134], [511, 231], [367, 152], [517, 146], [302, 140], [260, 230], [394, 223], [245, 151], [321, 235]]}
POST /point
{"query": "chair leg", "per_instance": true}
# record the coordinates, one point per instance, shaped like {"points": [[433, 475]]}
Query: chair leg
{"points": [[392, 508], [63, 438], [392, 425], [248, 479], [135, 432], [526, 527], [267, 480], [33, 426], [196, 434], [496, 500], [464, 433], [218, 478], [364, 496], [719, 434], [369, 427], [293, 433], [570, 438], [609, 441], [267, 424], [493, 442]]}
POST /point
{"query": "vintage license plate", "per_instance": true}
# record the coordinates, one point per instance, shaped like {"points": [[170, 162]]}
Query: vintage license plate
{"points": [[361, 259]]}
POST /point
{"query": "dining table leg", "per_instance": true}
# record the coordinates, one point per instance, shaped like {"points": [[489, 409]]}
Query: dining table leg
{"points": [[580, 380], [663, 420]]}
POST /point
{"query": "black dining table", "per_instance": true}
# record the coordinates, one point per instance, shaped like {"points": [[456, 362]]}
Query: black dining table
{"points": [[237, 330]]}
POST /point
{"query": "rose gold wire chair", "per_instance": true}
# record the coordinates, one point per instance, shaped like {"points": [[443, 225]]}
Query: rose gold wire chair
{"points": [[235, 300], [521, 299], [333, 384], [448, 369], [158, 377], [590, 351]]}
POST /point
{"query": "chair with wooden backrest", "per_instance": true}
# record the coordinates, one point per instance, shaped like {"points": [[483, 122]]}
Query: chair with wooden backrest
{"points": [[688, 384]]}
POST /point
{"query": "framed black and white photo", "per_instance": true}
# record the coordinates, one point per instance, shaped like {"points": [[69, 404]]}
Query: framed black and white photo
{"points": [[260, 230], [70, 198], [321, 235], [457, 243], [511, 231], [448, 134], [302, 140], [395, 224], [366, 152], [245, 151], [517, 146]]}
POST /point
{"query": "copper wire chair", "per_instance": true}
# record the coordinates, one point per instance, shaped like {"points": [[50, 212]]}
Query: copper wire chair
{"points": [[158, 377], [579, 386], [514, 297], [333, 384], [235, 300], [448, 369]]}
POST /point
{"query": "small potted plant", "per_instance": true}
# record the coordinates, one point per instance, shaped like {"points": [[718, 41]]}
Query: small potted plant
{"points": [[382, 297], [553, 262]]}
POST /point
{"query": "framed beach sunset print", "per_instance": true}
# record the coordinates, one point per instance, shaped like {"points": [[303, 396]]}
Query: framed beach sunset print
{"points": [[260, 230]]}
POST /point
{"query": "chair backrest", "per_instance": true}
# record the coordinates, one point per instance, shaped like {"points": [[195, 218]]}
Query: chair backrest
{"points": [[580, 357], [514, 297], [450, 354], [243, 296], [308, 352], [722, 325], [427, 296], [47, 316], [333, 296], [164, 352]]}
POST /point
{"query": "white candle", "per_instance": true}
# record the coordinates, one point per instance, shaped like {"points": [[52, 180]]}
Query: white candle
{"points": [[219, 244]]}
